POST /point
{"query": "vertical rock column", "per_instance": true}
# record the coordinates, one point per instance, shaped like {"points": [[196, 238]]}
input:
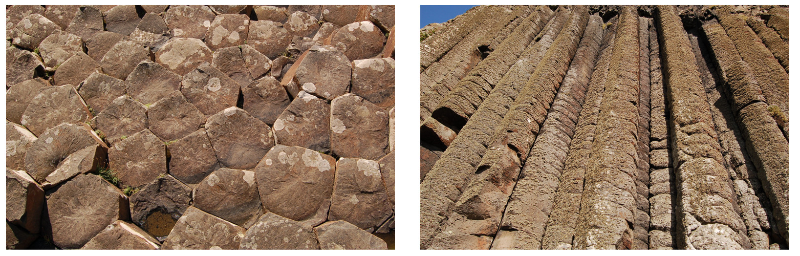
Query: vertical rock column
{"points": [[706, 215], [642, 212], [437, 45]]}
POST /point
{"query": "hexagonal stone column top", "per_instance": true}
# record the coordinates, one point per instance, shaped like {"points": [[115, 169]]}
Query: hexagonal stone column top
{"points": [[52, 106], [139, 159], [227, 30], [274, 232], [190, 21], [193, 158], [359, 40], [231, 195], [324, 72], [239, 139], [199, 230], [55, 145], [358, 128], [341, 235], [173, 117], [182, 55], [265, 99], [19, 96], [359, 194], [209, 89], [150, 82], [305, 123], [123, 118], [158, 205], [121, 235]]}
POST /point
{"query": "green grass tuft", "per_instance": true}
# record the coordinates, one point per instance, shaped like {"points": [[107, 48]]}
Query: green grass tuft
{"points": [[424, 35], [108, 174]]}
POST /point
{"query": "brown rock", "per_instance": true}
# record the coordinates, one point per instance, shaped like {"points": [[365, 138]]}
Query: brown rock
{"points": [[182, 55], [121, 19], [265, 99], [274, 232], [15, 13], [189, 21], [258, 64], [154, 9], [209, 89], [99, 90], [158, 205], [325, 31], [386, 164], [324, 72], [358, 128], [62, 14], [19, 96], [199, 230], [359, 194], [18, 140], [231, 62], [301, 24], [391, 129], [138, 160], [32, 30], [83, 207], [341, 235], [268, 37], [193, 157], [278, 64], [313, 10], [373, 80], [151, 82], [268, 12], [300, 45], [382, 16], [58, 47], [151, 41], [227, 30], [52, 106], [87, 22], [305, 123], [123, 118], [231, 195], [86, 160], [388, 49], [153, 23], [55, 145], [359, 40], [123, 57], [340, 14], [76, 69], [21, 65], [98, 45], [173, 117], [227, 9], [239, 139], [18, 238], [24, 199], [121, 235], [426, 161]]}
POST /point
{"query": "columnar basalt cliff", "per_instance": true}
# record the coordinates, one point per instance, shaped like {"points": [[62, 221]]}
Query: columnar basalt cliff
{"points": [[605, 127]]}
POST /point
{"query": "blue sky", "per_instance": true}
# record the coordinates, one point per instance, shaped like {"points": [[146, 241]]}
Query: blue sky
{"points": [[440, 13]]}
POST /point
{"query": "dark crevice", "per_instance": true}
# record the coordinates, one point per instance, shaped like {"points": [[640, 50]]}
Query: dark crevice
{"points": [[240, 99], [429, 137], [449, 118], [481, 169], [140, 11], [484, 51]]}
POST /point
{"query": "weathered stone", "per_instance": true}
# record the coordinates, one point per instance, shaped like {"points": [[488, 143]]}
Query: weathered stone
{"points": [[359, 40], [382, 16], [99, 90], [199, 230], [287, 175], [19, 96], [121, 19], [150, 82], [268, 12], [268, 37], [56, 144], [138, 159], [18, 140], [239, 139], [62, 15], [154, 9], [32, 30], [274, 232], [209, 89], [231, 62], [426, 161], [388, 49], [373, 80], [227, 9], [301, 24], [21, 65], [15, 13], [386, 165], [300, 45], [391, 129], [86, 160], [121, 119], [340, 14], [173, 117], [313, 10], [359, 194], [324, 72], [278, 66], [190, 21], [18, 238], [341, 235], [305, 123], [153, 23], [257, 63], [193, 157], [24, 199], [58, 47], [98, 45], [76, 69], [231, 195], [52, 106], [123, 57], [227, 30], [83, 207], [151, 41], [324, 33], [182, 55], [87, 22], [265, 99], [358, 128], [121, 235], [158, 205]]}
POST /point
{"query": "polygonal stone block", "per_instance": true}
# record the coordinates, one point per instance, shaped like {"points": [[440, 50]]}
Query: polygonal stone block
{"points": [[229, 60], [100, 90], [123, 57], [76, 69], [55, 145], [121, 19], [58, 47], [231, 195], [138, 159], [20, 95], [239, 139], [305, 123], [359, 40], [18, 140], [274, 232], [227, 30], [158, 205], [373, 80], [301, 24], [173, 117], [182, 55], [86, 160], [62, 14], [193, 158], [121, 119], [190, 21], [358, 128], [21, 65], [31, 30], [268, 12], [199, 230], [151, 82], [153, 23], [359, 194], [324, 72], [24, 199], [341, 235], [98, 45], [265, 99], [121, 235], [268, 37], [87, 22], [209, 89], [52, 106]]}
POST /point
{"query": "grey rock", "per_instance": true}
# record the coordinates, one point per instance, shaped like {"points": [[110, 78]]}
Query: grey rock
{"points": [[359, 194], [373, 80], [227, 30], [182, 55], [32, 30], [359, 40], [268, 37], [301, 24]]}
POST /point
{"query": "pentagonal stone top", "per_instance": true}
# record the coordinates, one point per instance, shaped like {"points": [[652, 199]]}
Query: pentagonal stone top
{"points": [[273, 232], [55, 145], [20, 95], [62, 14], [288, 175], [173, 117], [382, 16], [21, 65], [230, 61], [227, 30], [158, 205], [182, 55], [324, 72], [87, 22], [121, 19], [123, 57], [151, 82], [358, 128], [76, 69], [301, 24], [240, 140], [359, 40], [58, 47], [359, 194], [265, 99], [153, 23], [268, 12], [98, 45], [18, 140], [123, 118], [99, 90], [305, 123], [258, 64], [231, 195], [122, 236], [199, 230], [373, 80], [189, 21], [138, 159], [268, 37], [340, 14], [341, 235], [83, 207], [52, 106], [193, 158], [31, 30], [209, 89]]}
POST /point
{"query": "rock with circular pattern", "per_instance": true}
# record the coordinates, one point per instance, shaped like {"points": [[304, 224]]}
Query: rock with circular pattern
{"points": [[158, 205], [239, 139], [209, 89], [52, 106], [121, 119], [230, 194], [55, 145], [324, 72], [268, 37]]}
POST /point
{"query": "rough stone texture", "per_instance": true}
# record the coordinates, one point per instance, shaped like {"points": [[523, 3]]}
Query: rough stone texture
{"points": [[15, 13], [32, 30], [24, 200], [265, 99], [192, 157], [426, 162], [305, 123], [138, 159], [340, 14], [341, 235], [122, 118], [76, 69], [190, 21], [52, 106], [231, 62], [274, 232], [98, 45], [18, 238], [82, 208], [325, 72], [231, 195], [86, 160], [198, 230], [58, 47], [18, 140], [61, 14], [154, 8], [173, 117], [268, 12], [121, 235], [55, 145], [151, 82], [121, 19], [373, 80], [21, 65], [182, 55], [227, 9], [258, 64], [19, 96], [386, 164], [239, 139], [87, 22], [121, 59], [100, 90], [153, 23], [227, 30], [359, 40], [383, 16], [158, 205], [301, 24], [358, 128], [268, 37], [359, 194]]}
